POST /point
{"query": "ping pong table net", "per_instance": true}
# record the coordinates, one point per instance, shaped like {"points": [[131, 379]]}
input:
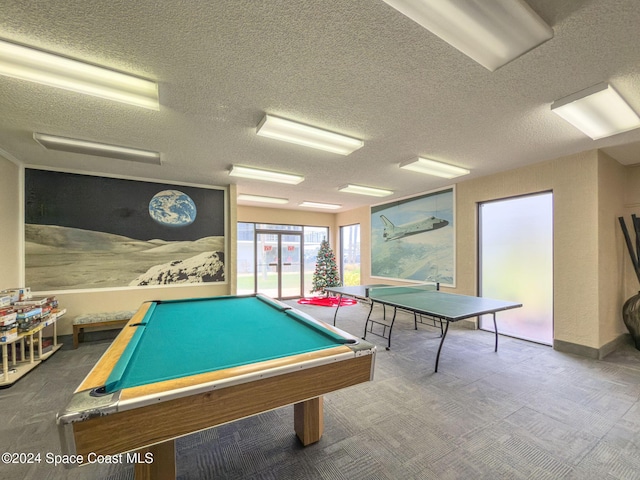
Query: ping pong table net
{"points": [[378, 292]]}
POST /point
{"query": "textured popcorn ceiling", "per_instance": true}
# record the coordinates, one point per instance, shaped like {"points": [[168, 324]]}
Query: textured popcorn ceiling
{"points": [[356, 67]]}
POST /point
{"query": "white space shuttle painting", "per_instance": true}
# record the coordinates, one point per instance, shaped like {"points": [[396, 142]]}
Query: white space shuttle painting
{"points": [[393, 232]]}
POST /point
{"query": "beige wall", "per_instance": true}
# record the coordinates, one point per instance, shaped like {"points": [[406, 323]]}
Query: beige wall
{"points": [[10, 219], [611, 249], [592, 271], [589, 194], [574, 182], [279, 216], [231, 265], [360, 216], [632, 190], [632, 206]]}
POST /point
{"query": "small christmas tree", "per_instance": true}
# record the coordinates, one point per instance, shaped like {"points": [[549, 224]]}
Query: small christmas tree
{"points": [[326, 274]]}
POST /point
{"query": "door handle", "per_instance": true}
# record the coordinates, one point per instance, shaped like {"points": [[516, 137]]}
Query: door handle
{"points": [[287, 264]]}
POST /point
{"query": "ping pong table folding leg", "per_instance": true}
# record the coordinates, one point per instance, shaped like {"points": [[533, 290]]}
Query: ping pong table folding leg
{"points": [[364, 337], [335, 314], [495, 328], [446, 329], [393, 320], [434, 319], [384, 325]]}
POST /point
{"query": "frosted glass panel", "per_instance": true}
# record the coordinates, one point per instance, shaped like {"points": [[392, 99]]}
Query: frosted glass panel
{"points": [[516, 264]]}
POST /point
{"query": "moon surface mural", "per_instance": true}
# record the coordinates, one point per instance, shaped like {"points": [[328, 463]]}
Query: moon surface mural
{"points": [[172, 208]]}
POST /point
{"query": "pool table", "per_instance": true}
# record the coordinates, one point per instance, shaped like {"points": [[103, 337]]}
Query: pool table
{"points": [[181, 366]]}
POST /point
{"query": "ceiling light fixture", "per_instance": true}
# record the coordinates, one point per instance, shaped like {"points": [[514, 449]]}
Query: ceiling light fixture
{"points": [[432, 167], [362, 190], [328, 206], [266, 175], [259, 198], [490, 32], [293, 132], [597, 111], [74, 145], [37, 66]]}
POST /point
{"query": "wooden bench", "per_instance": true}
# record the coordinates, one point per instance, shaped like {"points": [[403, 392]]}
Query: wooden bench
{"points": [[106, 320]]}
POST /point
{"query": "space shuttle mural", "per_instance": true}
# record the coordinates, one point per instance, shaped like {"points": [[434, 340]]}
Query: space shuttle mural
{"points": [[393, 232], [412, 239]]}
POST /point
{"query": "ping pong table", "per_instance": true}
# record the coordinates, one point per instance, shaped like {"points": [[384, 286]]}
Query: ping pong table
{"points": [[423, 299]]}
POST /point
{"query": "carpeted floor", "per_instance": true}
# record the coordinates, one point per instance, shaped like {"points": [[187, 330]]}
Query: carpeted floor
{"points": [[526, 412]]}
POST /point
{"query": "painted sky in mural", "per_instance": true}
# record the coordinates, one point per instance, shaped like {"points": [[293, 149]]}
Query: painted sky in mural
{"points": [[413, 239]]}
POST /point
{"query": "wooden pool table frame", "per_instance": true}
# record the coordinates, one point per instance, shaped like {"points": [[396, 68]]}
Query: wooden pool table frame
{"points": [[148, 418]]}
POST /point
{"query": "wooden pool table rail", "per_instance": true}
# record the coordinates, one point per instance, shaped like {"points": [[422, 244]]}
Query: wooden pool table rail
{"points": [[159, 422], [148, 418], [100, 372]]}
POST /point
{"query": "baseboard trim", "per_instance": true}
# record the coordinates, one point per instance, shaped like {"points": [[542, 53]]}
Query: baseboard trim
{"points": [[591, 352]]}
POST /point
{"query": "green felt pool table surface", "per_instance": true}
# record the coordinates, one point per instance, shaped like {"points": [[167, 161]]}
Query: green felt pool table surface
{"points": [[179, 338], [182, 366]]}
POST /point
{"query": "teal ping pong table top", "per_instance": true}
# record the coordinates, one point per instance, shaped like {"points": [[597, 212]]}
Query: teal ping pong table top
{"points": [[422, 299], [426, 299]]}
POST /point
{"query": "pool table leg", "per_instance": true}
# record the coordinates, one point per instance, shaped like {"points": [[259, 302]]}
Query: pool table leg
{"points": [[308, 421], [163, 466]]}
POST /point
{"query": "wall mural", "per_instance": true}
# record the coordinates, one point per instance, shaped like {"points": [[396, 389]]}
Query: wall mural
{"points": [[413, 239], [84, 232]]}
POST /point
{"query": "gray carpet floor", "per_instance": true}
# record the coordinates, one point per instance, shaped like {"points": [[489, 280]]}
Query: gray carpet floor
{"points": [[525, 412]]}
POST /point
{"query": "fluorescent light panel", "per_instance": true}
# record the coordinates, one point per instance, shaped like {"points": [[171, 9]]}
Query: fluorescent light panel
{"points": [[328, 206], [37, 66], [598, 111], [73, 145], [491, 32], [266, 175], [293, 132], [362, 190], [432, 167], [259, 198]]}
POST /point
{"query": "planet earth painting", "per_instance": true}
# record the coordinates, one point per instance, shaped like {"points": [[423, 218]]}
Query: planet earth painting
{"points": [[172, 208]]}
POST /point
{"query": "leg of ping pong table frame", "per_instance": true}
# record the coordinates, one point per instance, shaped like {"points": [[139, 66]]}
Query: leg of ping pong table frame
{"points": [[495, 328], [384, 325], [364, 337], [335, 314], [446, 329], [393, 320]]}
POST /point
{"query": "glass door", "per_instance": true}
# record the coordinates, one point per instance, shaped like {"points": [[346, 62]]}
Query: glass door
{"points": [[267, 247], [516, 263], [278, 263], [291, 267]]}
